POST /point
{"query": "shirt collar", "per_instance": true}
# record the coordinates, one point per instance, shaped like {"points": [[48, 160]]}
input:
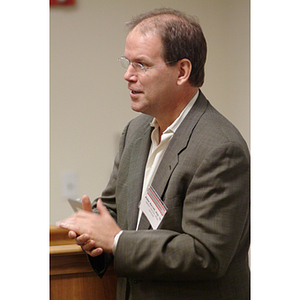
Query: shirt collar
{"points": [[174, 126]]}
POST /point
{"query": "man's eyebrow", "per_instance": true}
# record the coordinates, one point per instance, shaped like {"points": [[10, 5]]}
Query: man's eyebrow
{"points": [[141, 58]]}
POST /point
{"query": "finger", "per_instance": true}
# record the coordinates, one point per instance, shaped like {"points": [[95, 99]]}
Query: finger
{"points": [[69, 225], [58, 224], [90, 245], [63, 223], [72, 234], [86, 203], [95, 252], [101, 208], [82, 239]]}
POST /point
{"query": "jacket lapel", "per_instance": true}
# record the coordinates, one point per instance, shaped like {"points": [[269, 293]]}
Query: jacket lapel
{"points": [[177, 144], [140, 150]]}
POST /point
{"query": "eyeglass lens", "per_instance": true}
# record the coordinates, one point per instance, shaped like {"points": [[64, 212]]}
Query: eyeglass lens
{"points": [[126, 63]]}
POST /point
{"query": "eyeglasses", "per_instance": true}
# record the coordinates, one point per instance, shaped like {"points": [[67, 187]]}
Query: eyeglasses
{"points": [[139, 68]]}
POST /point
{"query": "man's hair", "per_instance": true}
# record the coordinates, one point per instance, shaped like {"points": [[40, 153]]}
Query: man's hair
{"points": [[181, 35]]}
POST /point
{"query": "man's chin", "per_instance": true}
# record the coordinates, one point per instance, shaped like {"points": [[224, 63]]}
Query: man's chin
{"points": [[138, 108]]}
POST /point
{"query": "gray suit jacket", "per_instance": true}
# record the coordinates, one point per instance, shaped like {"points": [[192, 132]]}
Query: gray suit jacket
{"points": [[200, 250]]}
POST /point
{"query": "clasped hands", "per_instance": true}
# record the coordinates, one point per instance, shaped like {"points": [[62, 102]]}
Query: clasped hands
{"points": [[93, 232]]}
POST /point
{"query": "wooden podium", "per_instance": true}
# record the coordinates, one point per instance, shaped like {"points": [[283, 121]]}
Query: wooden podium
{"points": [[71, 276]]}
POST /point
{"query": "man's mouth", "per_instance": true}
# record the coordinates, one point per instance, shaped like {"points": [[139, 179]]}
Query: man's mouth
{"points": [[135, 92]]}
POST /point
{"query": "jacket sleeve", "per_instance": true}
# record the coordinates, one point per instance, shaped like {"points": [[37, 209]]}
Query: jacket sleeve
{"points": [[101, 262], [214, 222]]}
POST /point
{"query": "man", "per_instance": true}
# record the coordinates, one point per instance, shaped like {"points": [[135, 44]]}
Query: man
{"points": [[175, 213]]}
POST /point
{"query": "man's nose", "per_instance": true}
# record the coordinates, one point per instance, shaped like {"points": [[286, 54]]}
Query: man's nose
{"points": [[130, 74]]}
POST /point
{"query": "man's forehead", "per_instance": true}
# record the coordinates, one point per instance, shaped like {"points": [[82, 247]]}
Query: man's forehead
{"points": [[144, 31], [143, 44]]}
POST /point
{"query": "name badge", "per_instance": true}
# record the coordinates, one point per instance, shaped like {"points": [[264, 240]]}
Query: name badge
{"points": [[153, 207]]}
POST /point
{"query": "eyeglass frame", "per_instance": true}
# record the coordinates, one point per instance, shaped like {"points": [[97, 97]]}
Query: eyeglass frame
{"points": [[141, 66]]}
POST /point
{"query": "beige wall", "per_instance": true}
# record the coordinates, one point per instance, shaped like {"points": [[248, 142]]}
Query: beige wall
{"points": [[89, 101]]}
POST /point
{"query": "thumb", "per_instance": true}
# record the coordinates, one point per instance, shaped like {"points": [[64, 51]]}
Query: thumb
{"points": [[101, 208], [86, 203]]}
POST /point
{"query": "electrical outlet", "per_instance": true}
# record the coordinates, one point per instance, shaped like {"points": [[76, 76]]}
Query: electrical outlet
{"points": [[69, 184]]}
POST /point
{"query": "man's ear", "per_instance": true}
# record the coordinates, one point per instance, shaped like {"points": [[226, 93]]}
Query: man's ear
{"points": [[185, 69]]}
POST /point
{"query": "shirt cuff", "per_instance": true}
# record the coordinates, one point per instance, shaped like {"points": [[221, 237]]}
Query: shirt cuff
{"points": [[116, 239]]}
